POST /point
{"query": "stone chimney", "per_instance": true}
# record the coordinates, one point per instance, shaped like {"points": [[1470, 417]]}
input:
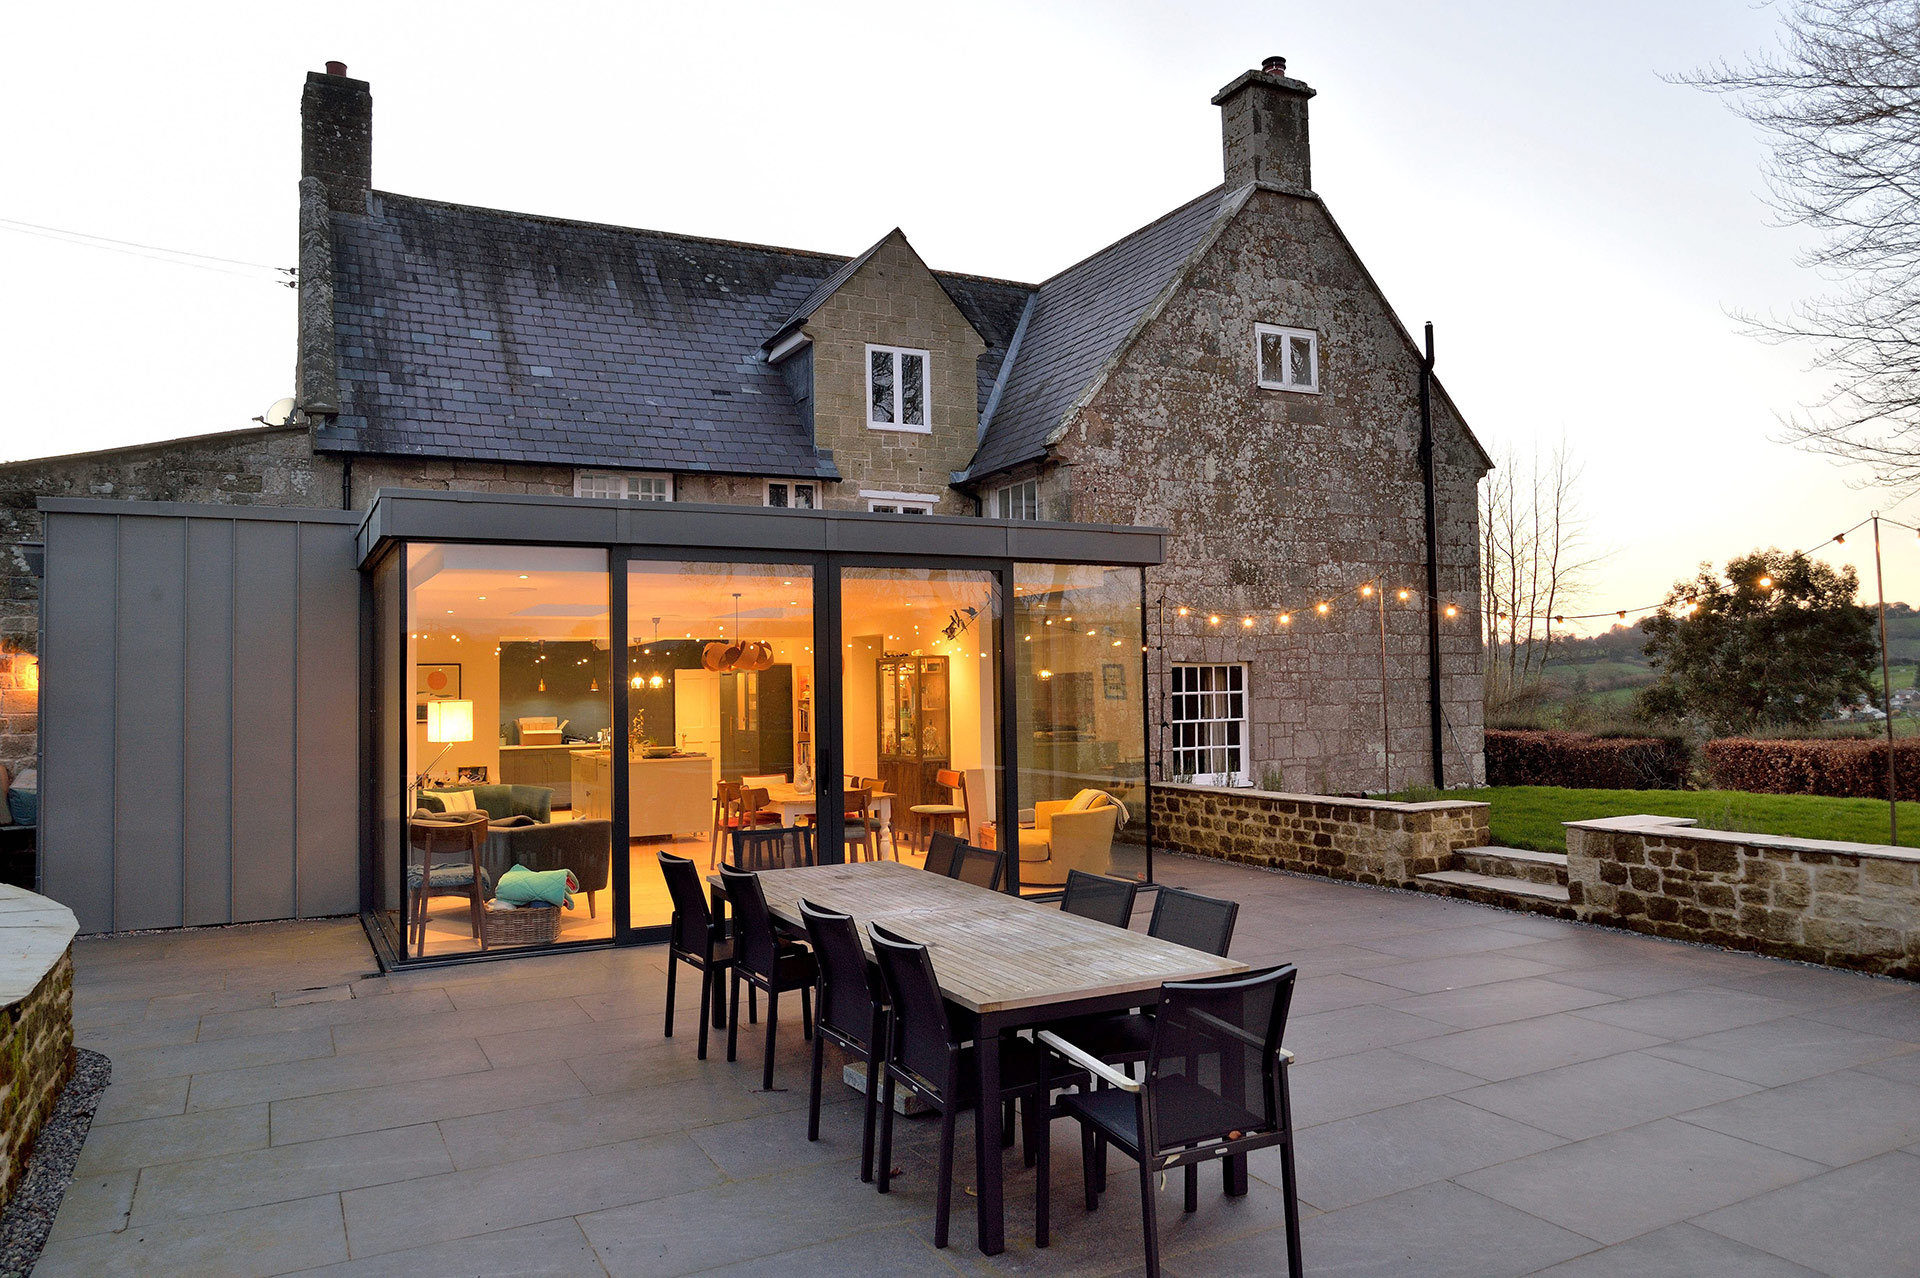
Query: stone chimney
{"points": [[336, 137], [1263, 128]]}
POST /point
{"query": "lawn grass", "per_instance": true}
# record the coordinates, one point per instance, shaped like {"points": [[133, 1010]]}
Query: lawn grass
{"points": [[1530, 816]]}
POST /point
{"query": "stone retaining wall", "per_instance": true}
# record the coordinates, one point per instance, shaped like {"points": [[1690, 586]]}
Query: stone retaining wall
{"points": [[36, 1021], [1853, 905], [1363, 840]]}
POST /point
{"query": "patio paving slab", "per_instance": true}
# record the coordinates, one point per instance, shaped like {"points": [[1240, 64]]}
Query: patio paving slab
{"points": [[1477, 1092], [1857, 1222], [1625, 1183]]}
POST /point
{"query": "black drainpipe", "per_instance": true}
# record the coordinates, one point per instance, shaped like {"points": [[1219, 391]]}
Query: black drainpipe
{"points": [[1433, 564], [346, 487]]}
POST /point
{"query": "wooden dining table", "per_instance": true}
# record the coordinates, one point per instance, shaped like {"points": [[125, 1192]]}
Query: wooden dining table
{"points": [[795, 803], [1003, 964]]}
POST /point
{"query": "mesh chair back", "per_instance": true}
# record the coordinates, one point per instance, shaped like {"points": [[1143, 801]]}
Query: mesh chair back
{"points": [[1212, 1067], [1097, 897], [979, 867], [753, 940], [777, 847], [922, 1035], [850, 988], [692, 924], [943, 853], [1198, 922]]}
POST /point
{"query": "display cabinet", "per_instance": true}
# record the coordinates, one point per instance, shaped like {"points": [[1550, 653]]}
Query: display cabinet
{"points": [[915, 729]]}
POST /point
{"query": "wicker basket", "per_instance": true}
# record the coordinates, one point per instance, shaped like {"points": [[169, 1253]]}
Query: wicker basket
{"points": [[528, 925]]}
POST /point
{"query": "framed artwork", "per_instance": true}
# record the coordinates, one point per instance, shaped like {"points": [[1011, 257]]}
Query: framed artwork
{"points": [[1113, 681], [434, 681], [471, 774]]}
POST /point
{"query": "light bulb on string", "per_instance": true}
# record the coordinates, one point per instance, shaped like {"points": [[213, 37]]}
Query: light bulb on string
{"points": [[1366, 592], [1403, 596], [1286, 619], [1321, 609], [1214, 620]]}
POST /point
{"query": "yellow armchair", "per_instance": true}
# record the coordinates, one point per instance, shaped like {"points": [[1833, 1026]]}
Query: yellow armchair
{"points": [[1070, 834]]}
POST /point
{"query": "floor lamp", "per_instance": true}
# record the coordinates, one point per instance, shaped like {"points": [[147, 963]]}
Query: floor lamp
{"points": [[448, 721]]}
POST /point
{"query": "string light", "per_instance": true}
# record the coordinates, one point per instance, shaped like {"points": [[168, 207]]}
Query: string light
{"points": [[1403, 596], [1366, 592], [1286, 619], [1452, 611], [1247, 622], [1321, 609], [1214, 620], [1765, 583]]}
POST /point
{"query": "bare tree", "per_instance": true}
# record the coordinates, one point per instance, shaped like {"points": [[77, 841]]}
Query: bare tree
{"points": [[1534, 555], [1840, 104]]}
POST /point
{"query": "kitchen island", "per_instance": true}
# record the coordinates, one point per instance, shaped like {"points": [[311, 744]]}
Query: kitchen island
{"points": [[664, 796], [545, 765]]}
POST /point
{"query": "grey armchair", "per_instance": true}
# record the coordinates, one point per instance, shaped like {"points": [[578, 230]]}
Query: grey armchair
{"points": [[585, 847]]}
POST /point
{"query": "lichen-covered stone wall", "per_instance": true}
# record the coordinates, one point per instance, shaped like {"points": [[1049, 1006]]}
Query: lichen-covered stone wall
{"points": [[1364, 840], [1850, 905], [36, 1060]]}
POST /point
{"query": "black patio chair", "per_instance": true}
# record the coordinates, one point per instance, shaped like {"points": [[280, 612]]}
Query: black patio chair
{"points": [[1215, 1088], [925, 1057], [780, 847], [765, 962], [851, 1009], [1203, 923], [694, 939], [1097, 897], [943, 852], [979, 866]]}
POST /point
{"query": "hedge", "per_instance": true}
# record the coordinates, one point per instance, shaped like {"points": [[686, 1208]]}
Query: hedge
{"points": [[1578, 761], [1836, 769]]}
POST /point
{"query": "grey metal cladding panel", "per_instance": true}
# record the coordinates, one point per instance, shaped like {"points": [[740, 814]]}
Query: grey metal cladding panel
{"points": [[206, 890], [1067, 544], [327, 745], [76, 718], [149, 732], [918, 535], [479, 520], [745, 528], [266, 610]]}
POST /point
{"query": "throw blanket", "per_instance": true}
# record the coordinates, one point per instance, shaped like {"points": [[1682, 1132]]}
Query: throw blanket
{"points": [[525, 887]]}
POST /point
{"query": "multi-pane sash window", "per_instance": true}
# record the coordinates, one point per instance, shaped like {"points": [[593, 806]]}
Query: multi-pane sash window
{"points": [[1020, 501], [1209, 723], [609, 483], [896, 389], [1289, 358], [899, 508], [793, 496]]}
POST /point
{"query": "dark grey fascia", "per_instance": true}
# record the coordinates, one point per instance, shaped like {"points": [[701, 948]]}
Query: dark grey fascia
{"points": [[399, 514]]}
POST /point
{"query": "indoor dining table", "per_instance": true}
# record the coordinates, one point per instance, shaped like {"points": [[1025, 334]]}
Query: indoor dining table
{"points": [[795, 803], [1003, 964]]}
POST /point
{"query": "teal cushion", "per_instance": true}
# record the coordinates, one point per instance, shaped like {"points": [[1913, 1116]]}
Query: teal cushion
{"points": [[525, 887]]}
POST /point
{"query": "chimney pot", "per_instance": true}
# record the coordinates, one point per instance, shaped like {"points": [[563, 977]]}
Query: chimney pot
{"points": [[1275, 65], [340, 68]]}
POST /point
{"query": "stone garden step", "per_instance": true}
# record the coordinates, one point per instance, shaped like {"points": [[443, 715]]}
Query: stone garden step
{"points": [[1514, 863], [1492, 887]]}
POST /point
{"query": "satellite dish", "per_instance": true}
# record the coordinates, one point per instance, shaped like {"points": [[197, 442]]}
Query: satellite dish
{"points": [[280, 414]]}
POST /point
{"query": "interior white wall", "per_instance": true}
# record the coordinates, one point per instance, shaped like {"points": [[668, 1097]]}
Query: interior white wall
{"points": [[480, 684]]}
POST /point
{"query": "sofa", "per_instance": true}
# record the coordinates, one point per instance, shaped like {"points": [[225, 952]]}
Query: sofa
{"points": [[585, 847], [1070, 834], [498, 801]]}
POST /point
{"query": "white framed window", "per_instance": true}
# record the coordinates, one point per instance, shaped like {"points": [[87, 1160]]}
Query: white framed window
{"points": [[897, 396], [881, 502], [1209, 723], [622, 485], [1018, 501], [1289, 358], [792, 495]]}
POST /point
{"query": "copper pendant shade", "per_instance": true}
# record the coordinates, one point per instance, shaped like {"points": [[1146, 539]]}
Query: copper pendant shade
{"points": [[741, 656]]}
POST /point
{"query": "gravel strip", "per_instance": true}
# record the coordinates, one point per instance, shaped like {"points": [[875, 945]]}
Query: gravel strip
{"points": [[28, 1217]]}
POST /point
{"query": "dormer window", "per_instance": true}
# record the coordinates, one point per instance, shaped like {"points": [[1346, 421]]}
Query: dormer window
{"points": [[1289, 358], [897, 389]]}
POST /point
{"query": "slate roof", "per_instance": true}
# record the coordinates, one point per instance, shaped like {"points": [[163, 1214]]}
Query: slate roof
{"points": [[1081, 318], [508, 337]]}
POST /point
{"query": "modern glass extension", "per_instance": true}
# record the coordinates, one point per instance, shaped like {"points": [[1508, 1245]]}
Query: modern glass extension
{"points": [[562, 689]]}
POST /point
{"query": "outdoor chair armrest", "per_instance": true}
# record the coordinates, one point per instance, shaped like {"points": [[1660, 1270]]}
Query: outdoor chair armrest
{"points": [[1088, 1061], [1286, 1056]]}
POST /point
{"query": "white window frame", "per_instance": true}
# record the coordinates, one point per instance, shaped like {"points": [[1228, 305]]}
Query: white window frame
{"points": [[624, 485], [882, 502], [1012, 501], [1207, 715], [1287, 336], [926, 390], [792, 487]]}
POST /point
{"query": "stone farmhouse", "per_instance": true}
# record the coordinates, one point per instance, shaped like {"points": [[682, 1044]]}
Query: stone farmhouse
{"points": [[1230, 372]]}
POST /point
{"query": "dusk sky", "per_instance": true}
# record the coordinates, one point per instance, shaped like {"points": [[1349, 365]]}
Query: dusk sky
{"points": [[1578, 229]]}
